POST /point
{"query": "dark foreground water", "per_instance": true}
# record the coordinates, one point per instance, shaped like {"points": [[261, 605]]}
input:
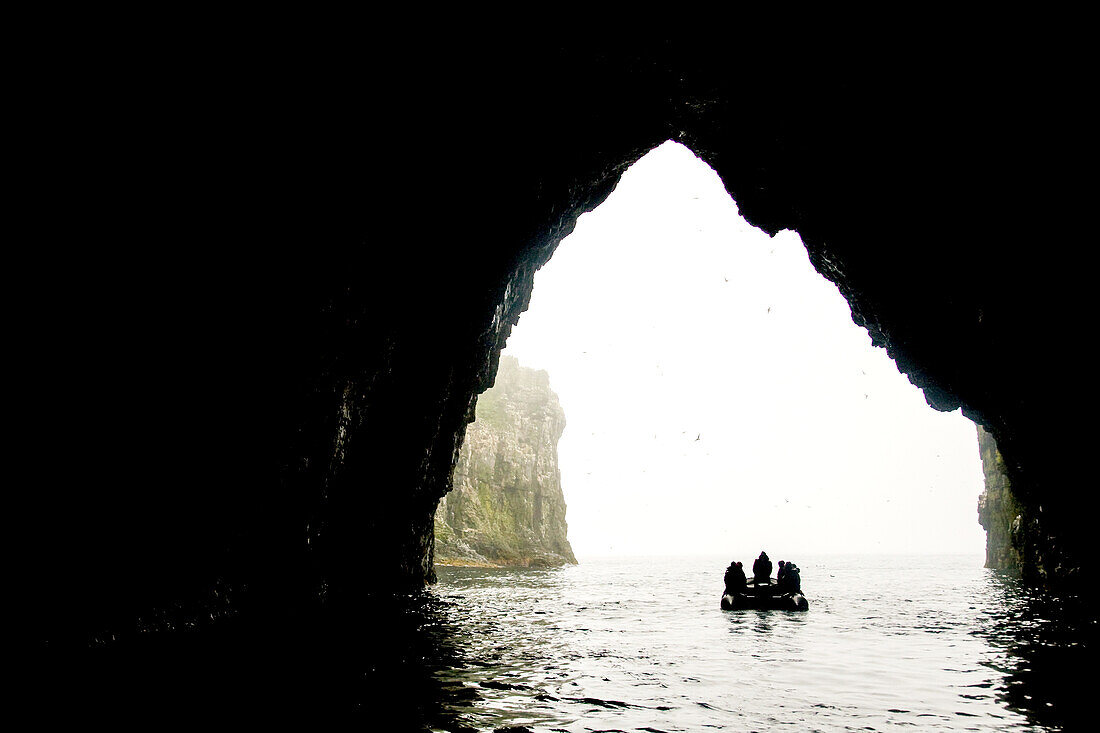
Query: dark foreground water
{"points": [[924, 643], [910, 643]]}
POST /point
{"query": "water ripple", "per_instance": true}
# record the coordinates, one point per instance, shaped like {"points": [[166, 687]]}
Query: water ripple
{"points": [[640, 645]]}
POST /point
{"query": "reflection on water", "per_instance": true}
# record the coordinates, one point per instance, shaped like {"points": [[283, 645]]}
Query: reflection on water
{"points": [[1042, 649], [934, 643]]}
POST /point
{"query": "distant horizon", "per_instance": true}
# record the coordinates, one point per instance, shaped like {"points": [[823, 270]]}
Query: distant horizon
{"points": [[776, 558], [716, 390]]}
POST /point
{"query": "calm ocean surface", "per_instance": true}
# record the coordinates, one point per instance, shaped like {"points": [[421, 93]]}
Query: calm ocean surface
{"points": [[922, 643]]}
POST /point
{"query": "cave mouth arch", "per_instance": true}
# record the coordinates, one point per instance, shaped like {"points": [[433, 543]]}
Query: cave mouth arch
{"points": [[286, 351], [666, 307]]}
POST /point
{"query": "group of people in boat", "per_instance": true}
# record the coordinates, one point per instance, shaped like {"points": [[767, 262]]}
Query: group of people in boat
{"points": [[788, 578]]}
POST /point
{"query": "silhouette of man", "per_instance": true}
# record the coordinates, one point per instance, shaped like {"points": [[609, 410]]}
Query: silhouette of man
{"points": [[762, 568], [781, 574]]}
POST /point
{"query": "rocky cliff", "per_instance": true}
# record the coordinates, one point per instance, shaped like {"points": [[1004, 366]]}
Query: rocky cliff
{"points": [[998, 510], [1022, 532], [507, 507]]}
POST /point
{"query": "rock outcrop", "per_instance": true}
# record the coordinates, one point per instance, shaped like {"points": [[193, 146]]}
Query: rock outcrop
{"points": [[507, 506], [1024, 536], [998, 510]]}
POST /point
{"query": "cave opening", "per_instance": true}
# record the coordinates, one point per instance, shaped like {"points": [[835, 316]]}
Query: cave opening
{"points": [[318, 387], [718, 397]]}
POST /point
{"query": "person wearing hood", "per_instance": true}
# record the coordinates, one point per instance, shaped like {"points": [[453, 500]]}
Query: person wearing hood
{"points": [[762, 568]]}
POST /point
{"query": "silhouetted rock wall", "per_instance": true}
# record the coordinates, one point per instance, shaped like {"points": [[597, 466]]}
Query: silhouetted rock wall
{"points": [[242, 375], [1027, 536], [998, 510], [507, 506]]}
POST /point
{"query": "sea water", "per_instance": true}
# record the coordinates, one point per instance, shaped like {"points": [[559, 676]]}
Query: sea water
{"points": [[640, 644]]}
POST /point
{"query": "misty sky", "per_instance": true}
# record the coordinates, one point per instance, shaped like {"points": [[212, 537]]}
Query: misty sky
{"points": [[718, 397]]}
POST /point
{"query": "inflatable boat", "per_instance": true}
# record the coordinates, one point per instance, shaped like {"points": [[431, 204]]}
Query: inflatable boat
{"points": [[765, 596]]}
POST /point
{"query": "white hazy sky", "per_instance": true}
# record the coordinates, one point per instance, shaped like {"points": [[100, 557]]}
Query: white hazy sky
{"points": [[718, 397]]}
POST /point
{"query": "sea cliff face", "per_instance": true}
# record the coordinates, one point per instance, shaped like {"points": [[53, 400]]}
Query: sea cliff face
{"points": [[1024, 530], [998, 511], [507, 507]]}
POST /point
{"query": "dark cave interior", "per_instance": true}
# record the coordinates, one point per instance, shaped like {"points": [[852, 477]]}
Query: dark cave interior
{"points": [[262, 303]]}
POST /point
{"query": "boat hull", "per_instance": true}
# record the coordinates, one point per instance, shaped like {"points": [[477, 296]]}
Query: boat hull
{"points": [[764, 597]]}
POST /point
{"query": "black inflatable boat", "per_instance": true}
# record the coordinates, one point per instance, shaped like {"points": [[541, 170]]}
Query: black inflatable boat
{"points": [[765, 596]]}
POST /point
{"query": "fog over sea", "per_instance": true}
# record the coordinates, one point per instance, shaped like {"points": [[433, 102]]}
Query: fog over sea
{"points": [[640, 644], [719, 395]]}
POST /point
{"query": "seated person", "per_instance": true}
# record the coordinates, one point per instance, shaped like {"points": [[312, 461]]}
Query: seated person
{"points": [[792, 579], [762, 568], [735, 578]]}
